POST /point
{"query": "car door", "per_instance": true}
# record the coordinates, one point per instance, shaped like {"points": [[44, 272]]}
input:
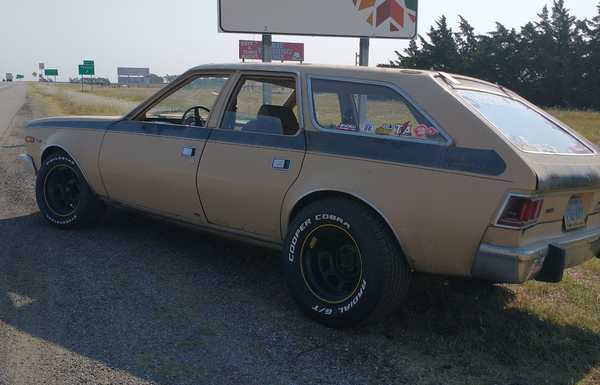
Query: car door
{"points": [[254, 155], [151, 161]]}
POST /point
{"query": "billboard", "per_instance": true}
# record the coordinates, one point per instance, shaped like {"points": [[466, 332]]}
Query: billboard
{"points": [[133, 71], [252, 50], [133, 76], [393, 19]]}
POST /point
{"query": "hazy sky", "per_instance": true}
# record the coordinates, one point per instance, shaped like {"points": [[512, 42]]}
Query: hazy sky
{"points": [[172, 36]]}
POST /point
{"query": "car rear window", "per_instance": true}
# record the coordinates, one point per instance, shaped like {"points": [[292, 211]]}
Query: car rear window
{"points": [[524, 127], [372, 110]]}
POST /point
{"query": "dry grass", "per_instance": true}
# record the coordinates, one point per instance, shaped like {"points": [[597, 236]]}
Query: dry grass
{"points": [[462, 332], [49, 100], [130, 94], [586, 122]]}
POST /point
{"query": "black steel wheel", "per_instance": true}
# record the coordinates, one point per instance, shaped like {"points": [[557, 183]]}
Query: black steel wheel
{"points": [[63, 195], [62, 190], [342, 263], [331, 263]]}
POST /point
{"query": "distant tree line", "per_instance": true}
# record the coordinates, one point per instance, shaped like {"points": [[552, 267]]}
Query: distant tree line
{"points": [[553, 61]]}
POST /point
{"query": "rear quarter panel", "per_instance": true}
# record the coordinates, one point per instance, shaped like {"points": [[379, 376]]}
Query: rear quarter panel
{"points": [[439, 216]]}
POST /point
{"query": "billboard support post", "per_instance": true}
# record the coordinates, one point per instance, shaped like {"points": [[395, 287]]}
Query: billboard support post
{"points": [[267, 57], [267, 40], [363, 59]]}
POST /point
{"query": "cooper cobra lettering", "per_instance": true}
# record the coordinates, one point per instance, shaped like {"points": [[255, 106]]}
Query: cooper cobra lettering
{"points": [[294, 242], [333, 218]]}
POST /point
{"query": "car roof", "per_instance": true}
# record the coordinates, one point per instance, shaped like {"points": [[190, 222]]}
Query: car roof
{"points": [[350, 71], [306, 67]]}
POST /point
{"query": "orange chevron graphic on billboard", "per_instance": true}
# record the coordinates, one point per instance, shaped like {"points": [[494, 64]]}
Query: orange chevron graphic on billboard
{"points": [[394, 11]]}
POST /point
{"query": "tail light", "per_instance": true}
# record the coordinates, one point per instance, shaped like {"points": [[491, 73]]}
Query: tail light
{"points": [[520, 212]]}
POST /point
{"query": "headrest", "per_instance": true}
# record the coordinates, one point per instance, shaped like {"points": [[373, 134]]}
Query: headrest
{"points": [[285, 114]]}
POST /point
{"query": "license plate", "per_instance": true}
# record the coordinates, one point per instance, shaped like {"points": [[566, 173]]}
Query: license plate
{"points": [[575, 217]]}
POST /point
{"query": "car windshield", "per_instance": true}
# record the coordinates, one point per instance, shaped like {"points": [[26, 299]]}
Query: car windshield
{"points": [[523, 126]]}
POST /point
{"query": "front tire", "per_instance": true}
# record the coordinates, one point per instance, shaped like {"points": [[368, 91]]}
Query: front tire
{"points": [[343, 265], [63, 196]]}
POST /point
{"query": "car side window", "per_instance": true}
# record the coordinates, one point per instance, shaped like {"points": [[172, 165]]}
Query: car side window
{"points": [[265, 105], [189, 105], [369, 110]]}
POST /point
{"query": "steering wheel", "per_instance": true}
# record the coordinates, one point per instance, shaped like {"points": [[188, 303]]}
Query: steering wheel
{"points": [[195, 119]]}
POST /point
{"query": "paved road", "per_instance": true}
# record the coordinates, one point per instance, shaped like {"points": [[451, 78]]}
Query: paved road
{"points": [[137, 301], [12, 98]]}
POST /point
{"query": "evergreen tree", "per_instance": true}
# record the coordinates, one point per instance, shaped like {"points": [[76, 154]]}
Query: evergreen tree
{"points": [[442, 51], [499, 52], [468, 47], [590, 77], [554, 61]]}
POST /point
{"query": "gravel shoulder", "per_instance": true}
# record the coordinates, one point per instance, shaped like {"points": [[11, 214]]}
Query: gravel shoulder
{"points": [[138, 301]]}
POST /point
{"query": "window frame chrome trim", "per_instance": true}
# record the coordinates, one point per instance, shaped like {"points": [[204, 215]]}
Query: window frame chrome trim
{"points": [[241, 73], [137, 113], [409, 100]]}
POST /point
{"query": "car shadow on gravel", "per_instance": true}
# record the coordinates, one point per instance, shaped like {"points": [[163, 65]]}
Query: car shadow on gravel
{"points": [[173, 306]]}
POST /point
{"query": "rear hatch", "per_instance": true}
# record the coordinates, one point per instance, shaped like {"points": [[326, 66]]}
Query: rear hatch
{"points": [[567, 166]]}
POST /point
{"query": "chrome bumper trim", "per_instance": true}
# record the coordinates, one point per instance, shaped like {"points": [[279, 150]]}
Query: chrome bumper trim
{"points": [[518, 265], [27, 160]]}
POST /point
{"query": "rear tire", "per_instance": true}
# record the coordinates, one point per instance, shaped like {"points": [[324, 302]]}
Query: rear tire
{"points": [[63, 196], [343, 265]]}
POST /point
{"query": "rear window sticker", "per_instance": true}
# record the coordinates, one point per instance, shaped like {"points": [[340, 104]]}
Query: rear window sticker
{"points": [[346, 127], [368, 127], [420, 131], [432, 131]]}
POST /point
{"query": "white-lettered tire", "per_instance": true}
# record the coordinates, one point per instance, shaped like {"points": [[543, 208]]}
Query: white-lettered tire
{"points": [[63, 195], [343, 265]]}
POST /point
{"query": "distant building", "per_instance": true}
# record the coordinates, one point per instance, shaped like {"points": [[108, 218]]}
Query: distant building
{"points": [[132, 76]]}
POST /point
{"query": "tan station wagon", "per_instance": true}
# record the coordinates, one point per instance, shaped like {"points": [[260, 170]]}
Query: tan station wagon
{"points": [[360, 175]]}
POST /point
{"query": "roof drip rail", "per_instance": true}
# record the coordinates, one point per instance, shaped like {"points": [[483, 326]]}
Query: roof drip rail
{"points": [[448, 78]]}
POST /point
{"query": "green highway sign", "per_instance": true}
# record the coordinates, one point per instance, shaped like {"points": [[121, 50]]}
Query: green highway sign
{"points": [[88, 63], [19, 76], [86, 70], [51, 72]]}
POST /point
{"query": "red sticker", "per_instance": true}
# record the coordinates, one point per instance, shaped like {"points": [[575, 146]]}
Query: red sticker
{"points": [[432, 131], [420, 132]]}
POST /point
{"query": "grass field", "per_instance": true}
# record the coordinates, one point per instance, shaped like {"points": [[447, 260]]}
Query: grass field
{"points": [[546, 334]]}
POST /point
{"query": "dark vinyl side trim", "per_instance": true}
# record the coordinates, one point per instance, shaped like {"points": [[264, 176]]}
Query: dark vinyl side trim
{"points": [[78, 123], [469, 160], [476, 161], [296, 142], [161, 129]]}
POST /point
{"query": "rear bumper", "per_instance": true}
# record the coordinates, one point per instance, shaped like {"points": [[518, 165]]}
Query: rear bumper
{"points": [[28, 162], [544, 261]]}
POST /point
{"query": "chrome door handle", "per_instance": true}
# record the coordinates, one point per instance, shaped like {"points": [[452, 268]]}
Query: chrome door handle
{"points": [[281, 164], [188, 152]]}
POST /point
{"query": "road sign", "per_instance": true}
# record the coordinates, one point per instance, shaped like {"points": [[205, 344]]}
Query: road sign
{"points": [[19, 77], [252, 50], [395, 19], [88, 63], [86, 70], [51, 72]]}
